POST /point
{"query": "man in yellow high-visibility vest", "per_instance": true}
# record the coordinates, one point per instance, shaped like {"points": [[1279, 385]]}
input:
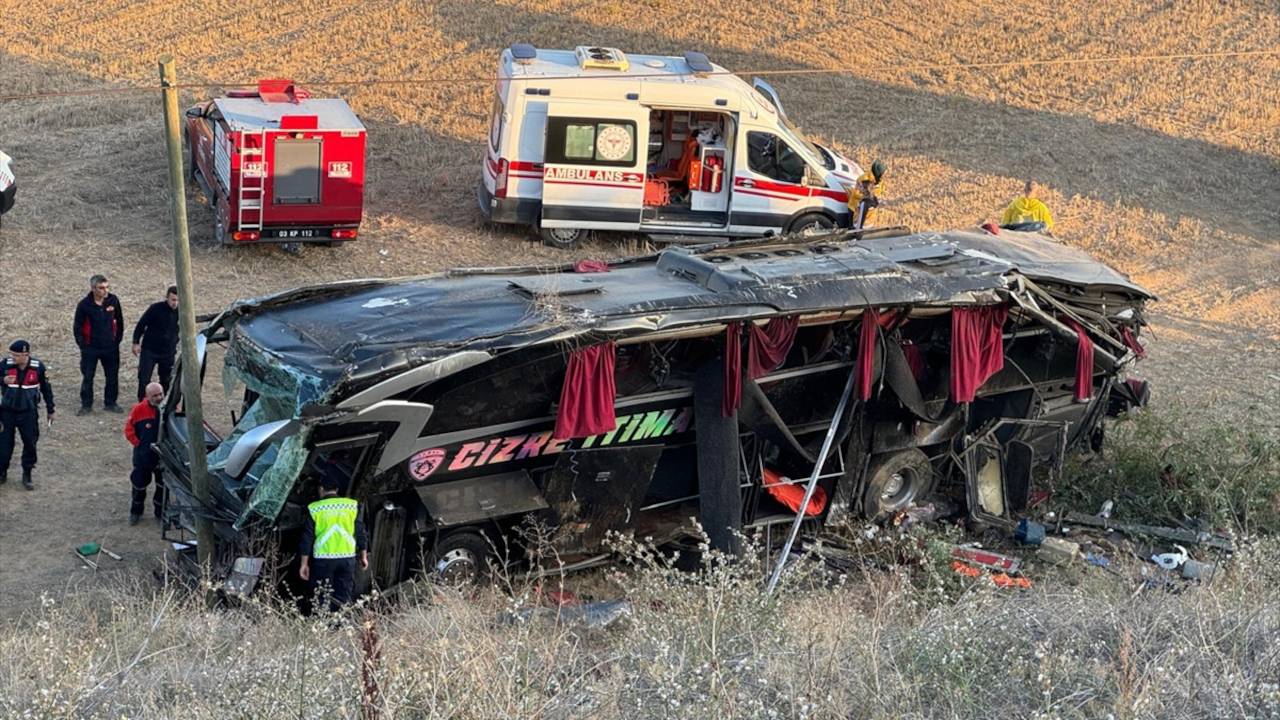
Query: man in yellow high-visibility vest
{"points": [[334, 536], [1028, 213]]}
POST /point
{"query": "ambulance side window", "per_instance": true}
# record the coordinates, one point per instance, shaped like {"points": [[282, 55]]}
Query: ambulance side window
{"points": [[770, 156], [495, 123], [591, 141]]}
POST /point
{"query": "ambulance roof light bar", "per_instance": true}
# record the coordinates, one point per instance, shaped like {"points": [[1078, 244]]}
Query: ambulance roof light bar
{"points": [[698, 62], [524, 53]]}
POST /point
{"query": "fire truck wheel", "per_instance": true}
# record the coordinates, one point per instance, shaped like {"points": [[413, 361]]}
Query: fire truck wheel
{"points": [[219, 233], [459, 559], [895, 480], [562, 238], [811, 224]]}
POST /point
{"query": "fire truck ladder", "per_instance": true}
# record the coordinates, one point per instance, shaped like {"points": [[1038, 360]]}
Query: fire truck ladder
{"points": [[253, 183]]}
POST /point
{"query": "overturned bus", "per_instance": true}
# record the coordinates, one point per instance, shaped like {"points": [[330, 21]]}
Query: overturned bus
{"points": [[645, 394]]}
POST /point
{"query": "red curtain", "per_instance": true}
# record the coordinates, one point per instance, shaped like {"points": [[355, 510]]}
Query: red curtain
{"points": [[977, 348], [867, 351], [768, 346], [1131, 342], [1084, 361], [732, 369], [586, 400], [915, 359]]}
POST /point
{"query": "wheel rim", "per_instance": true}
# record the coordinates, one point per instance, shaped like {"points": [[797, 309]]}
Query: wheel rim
{"points": [[813, 228], [900, 488], [563, 235], [458, 566]]}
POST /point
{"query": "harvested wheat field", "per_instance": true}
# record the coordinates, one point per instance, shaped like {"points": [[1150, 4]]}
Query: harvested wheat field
{"points": [[1168, 169]]}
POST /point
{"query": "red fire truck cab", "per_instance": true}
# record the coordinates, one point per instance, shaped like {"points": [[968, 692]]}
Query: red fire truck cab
{"points": [[278, 165]]}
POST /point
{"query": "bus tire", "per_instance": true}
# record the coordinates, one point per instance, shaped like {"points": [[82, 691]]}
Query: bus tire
{"points": [[811, 224], [562, 238], [895, 481], [460, 559]]}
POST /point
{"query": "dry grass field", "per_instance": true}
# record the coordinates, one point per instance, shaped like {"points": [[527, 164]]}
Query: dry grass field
{"points": [[1169, 170]]}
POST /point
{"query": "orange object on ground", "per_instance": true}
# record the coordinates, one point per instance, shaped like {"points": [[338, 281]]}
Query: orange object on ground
{"points": [[966, 570], [793, 495], [1004, 580]]}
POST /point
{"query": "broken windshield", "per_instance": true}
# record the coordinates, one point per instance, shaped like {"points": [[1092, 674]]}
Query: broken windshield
{"points": [[274, 391]]}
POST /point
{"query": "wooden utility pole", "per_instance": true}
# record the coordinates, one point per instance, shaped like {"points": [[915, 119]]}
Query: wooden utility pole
{"points": [[186, 316]]}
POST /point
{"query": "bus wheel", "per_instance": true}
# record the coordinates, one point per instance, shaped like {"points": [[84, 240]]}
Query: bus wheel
{"points": [[895, 481], [811, 224], [562, 238], [460, 559]]}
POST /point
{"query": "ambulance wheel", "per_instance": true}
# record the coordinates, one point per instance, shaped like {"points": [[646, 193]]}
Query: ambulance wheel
{"points": [[895, 481], [562, 238], [459, 559], [811, 224]]}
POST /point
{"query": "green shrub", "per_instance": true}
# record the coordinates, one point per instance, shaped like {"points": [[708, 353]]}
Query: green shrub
{"points": [[1177, 464]]}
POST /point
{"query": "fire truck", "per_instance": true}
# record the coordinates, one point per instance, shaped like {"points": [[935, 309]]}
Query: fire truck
{"points": [[278, 165]]}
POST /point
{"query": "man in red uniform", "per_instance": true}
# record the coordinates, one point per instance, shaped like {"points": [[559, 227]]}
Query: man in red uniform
{"points": [[141, 430], [22, 383]]}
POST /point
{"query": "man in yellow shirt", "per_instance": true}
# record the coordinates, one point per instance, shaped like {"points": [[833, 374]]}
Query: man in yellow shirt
{"points": [[863, 199], [1027, 213]]}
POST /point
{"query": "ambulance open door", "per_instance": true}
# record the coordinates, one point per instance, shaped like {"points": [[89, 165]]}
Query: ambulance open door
{"points": [[594, 166]]}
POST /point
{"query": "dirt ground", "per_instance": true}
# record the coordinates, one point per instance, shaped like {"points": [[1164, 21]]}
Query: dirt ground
{"points": [[1170, 170]]}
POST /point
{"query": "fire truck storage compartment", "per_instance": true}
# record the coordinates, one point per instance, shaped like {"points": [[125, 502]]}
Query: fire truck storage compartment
{"points": [[297, 172]]}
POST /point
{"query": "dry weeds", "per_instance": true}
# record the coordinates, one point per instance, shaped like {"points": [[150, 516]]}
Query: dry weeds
{"points": [[1171, 171]]}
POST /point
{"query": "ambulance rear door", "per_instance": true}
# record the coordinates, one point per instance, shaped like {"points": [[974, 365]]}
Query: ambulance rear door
{"points": [[594, 165]]}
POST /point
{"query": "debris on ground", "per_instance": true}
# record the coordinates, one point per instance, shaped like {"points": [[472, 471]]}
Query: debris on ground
{"points": [[1171, 560], [985, 558], [1057, 551], [591, 615], [1219, 540]]}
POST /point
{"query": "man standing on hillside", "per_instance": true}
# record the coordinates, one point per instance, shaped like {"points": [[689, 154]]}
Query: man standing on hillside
{"points": [[1027, 213], [334, 533], [23, 381], [155, 340], [98, 328], [141, 430]]}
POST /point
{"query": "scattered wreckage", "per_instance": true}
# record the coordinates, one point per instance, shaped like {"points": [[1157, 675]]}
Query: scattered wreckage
{"points": [[632, 396]]}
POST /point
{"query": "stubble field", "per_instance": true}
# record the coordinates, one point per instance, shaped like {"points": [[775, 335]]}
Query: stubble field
{"points": [[1167, 169]]}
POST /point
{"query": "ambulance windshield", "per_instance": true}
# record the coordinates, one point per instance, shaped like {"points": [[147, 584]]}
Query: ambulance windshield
{"points": [[796, 135]]}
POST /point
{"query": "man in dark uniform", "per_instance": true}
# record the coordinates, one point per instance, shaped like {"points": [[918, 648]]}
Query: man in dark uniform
{"points": [[334, 533], [142, 429], [155, 341], [98, 328], [23, 380]]}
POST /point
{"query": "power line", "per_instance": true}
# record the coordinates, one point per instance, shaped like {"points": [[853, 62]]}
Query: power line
{"points": [[799, 71]]}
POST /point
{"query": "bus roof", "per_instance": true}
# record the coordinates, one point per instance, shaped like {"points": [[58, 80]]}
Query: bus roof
{"points": [[365, 330]]}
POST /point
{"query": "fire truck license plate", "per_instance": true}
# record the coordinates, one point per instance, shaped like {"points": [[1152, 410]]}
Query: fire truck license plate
{"points": [[295, 233]]}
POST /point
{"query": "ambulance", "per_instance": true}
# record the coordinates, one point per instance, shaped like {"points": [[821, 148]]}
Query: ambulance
{"points": [[594, 139]]}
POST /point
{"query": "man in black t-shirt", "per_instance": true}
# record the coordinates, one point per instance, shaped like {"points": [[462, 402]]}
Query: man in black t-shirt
{"points": [[155, 341]]}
